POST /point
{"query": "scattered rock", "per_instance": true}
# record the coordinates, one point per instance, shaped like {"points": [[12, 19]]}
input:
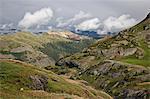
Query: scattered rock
{"points": [[123, 42], [71, 64], [129, 51], [148, 37], [146, 28], [139, 53], [133, 94], [38, 82], [67, 63]]}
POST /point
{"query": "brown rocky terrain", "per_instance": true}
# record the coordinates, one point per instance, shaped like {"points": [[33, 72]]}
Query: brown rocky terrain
{"points": [[119, 65]]}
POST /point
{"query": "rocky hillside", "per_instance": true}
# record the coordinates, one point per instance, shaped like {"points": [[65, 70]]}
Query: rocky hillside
{"points": [[42, 49], [119, 65], [20, 80]]}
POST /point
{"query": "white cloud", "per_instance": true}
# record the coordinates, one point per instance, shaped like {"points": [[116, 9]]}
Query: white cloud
{"points": [[113, 24], [91, 24], [102, 32], [6, 26], [80, 21], [41, 17], [3, 26], [70, 22], [81, 15]]}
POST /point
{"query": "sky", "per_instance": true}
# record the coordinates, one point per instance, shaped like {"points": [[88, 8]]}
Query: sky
{"points": [[110, 15]]}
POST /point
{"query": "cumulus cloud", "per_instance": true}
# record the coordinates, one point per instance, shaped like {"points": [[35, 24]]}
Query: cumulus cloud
{"points": [[113, 24], [70, 22], [40, 17], [6, 26], [81, 21], [91, 24]]}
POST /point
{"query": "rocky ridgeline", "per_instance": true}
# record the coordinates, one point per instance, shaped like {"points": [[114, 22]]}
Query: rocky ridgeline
{"points": [[101, 64]]}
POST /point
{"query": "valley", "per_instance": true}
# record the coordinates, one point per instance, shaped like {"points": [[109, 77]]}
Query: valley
{"points": [[64, 65]]}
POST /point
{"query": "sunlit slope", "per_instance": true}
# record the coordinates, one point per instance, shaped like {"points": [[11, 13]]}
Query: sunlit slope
{"points": [[41, 50]]}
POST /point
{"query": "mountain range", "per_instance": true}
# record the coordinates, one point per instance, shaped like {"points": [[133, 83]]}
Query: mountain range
{"points": [[41, 49], [65, 65]]}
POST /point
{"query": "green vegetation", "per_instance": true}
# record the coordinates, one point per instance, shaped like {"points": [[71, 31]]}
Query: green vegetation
{"points": [[60, 70], [118, 65], [135, 61], [33, 48], [59, 49], [145, 61], [18, 55], [15, 82]]}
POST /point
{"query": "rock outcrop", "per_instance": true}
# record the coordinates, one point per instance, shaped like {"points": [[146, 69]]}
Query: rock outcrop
{"points": [[119, 65], [119, 79], [38, 82]]}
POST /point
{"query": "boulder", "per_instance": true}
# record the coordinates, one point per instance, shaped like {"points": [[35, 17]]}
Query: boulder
{"points": [[71, 64], [148, 37], [129, 51], [39, 82]]}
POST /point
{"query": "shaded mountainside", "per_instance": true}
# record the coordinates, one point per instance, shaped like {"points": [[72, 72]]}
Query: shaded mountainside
{"points": [[20, 80], [119, 65], [43, 49]]}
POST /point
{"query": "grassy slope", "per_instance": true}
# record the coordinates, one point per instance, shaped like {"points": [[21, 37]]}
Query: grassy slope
{"points": [[53, 46], [145, 61], [136, 33], [60, 49], [15, 75]]}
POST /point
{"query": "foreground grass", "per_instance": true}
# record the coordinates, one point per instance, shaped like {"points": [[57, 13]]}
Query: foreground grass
{"points": [[15, 83]]}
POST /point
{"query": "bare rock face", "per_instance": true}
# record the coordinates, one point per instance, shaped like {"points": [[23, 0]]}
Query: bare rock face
{"points": [[129, 51], [114, 52], [9, 56], [68, 63], [134, 94], [119, 79], [38, 82]]}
